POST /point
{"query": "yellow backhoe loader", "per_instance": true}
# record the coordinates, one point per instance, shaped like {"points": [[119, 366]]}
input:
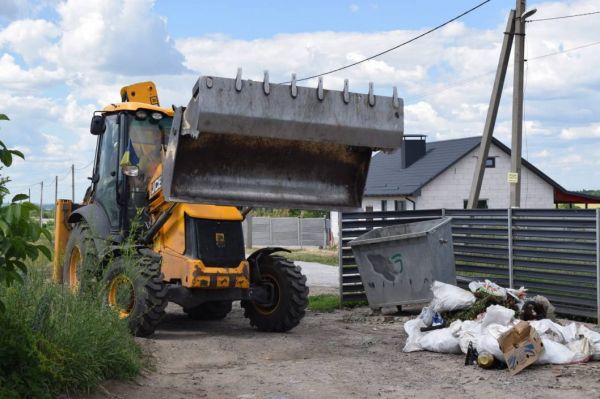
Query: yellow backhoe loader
{"points": [[177, 178]]}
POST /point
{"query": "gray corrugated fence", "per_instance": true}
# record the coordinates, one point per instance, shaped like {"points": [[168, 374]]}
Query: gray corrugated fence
{"points": [[284, 231], [552, 252]]}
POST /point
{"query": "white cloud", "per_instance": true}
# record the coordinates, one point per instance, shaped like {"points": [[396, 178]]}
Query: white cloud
{"points": [[124, 37], [29, 38], [581, 132], [13, 77], [354, 7]]}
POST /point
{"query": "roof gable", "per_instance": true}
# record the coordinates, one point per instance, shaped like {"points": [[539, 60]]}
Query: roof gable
{"points": [[387, 178]]}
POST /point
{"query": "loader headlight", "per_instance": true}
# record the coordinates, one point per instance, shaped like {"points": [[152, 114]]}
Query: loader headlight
{"points": [[141, 114], [156, 116]]}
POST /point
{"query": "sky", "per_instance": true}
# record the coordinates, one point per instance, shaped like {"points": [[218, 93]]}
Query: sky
{"points": [[60, 60]]}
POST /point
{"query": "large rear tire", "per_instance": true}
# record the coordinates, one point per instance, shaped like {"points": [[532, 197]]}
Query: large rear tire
{"points": [[216, 310], [80, 264], [290, 296], [137, 292]]}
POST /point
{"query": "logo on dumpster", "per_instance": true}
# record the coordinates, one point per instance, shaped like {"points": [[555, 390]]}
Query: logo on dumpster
{"points": [[389, 268], [398, 261]]}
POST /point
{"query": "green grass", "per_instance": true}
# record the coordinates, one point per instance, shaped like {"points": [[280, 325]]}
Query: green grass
{"points": [[53, 341], [326, 257], [324, 302]]}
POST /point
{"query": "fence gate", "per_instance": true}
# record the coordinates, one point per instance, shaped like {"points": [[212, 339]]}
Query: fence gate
{"points": [[552, 252], [286, 231]]}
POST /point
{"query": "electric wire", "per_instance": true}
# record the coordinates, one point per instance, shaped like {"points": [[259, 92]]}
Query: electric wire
{"points": [[564, 17], [564, 51], [451, 85], [395, 47]]}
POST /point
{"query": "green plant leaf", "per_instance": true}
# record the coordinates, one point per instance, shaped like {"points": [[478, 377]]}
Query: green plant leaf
{"points": [[3, 117], [45, 250], [17, 153], [6, 157], [20, 197]]}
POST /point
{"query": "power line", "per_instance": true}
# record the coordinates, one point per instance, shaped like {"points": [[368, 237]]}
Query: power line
{"points": [[477, 77], [564, 51], [564, 16], [395, 47]]}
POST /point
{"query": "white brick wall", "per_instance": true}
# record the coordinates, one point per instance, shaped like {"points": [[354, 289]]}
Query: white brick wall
{"points": [[452, 187]]}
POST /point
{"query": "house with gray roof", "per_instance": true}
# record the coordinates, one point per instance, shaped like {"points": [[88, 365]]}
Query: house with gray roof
{"points": [[439, 174]]}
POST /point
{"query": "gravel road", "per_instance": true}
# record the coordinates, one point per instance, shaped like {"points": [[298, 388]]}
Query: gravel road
{"points": [[345, 354]]}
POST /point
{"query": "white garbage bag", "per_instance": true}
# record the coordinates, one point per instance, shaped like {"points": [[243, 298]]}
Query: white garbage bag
{"points": [[487, 343], [441, 341], [594, 338], [447, 297], [427, 315], [555, 353], [469, 332], [488, 287], [413, 329], [496, 314], [548, 329]]}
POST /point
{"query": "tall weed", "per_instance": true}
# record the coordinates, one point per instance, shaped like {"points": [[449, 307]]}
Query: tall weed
{"points": [[53, 341]]}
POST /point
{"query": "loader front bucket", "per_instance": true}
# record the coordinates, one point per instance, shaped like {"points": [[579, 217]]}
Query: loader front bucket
{"points": [[240, 142]]}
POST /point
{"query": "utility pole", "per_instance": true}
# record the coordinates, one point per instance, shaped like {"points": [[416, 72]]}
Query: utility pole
{"points": [[517, 115], [73, 182], [490, 121], [41, 202], [55, 189]]}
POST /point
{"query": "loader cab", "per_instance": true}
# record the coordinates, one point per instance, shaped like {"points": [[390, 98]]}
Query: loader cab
{"points": [[130, 140]]}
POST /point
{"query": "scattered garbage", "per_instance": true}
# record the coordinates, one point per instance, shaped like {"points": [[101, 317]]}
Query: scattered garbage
{"points": [[496, 327]]}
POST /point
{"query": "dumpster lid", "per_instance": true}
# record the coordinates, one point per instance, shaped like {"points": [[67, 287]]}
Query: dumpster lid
{"points": [[401, 231]]}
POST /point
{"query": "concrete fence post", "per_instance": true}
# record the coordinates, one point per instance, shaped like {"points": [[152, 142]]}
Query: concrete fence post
{"points": [[299, 220], [270, 231], [510, 248], [249, 230]]}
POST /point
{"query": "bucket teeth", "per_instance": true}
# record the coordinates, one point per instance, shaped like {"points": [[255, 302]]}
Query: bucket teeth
{"points": [[395, 99], [346, 93], [371, 95], [238, 80], [293, 87], [320, 89], [266, 85]]}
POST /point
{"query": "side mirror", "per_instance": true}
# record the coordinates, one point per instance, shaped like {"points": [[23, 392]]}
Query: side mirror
{"points": [[98, 125]]}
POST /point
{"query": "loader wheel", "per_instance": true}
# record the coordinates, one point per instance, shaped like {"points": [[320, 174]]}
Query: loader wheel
{"points": [[137, 293], [216, 310], [80, 263], [290, 296]]}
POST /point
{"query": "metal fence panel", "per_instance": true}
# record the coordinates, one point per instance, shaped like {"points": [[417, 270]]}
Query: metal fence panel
{"points": [[551, 252], [287, 231]]}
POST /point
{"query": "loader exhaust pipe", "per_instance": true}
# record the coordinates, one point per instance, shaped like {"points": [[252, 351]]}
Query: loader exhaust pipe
{"points": [[241, 142]]}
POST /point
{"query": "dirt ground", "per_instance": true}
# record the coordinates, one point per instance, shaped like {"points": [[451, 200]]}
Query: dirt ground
{"points": [[345, 354]]}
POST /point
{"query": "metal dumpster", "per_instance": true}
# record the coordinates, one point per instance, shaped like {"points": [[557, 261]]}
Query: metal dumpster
{"points": [[398, 264]]}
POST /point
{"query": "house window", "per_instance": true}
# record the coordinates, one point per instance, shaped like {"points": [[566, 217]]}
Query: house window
{"points": [[369, 208], [490, 162], [399, 205], [481, 204], [383, 205]]}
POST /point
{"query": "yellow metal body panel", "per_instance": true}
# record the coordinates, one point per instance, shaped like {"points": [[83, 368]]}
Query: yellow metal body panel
{"points": [[62, 230], [143, 92], [134, 106], [170, 243]]}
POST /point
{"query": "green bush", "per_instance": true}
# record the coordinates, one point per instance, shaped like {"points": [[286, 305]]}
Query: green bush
{"points": [[54, 341]]}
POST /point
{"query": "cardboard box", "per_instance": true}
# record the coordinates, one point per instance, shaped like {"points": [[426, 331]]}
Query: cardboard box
{"points": [[521, 346]]}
